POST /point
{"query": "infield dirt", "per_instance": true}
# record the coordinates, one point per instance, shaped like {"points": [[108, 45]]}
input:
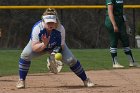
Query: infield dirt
{"points": [[106, 81]]}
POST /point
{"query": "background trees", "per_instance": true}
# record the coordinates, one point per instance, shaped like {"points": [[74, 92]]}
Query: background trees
{"points": [[84, 27]]}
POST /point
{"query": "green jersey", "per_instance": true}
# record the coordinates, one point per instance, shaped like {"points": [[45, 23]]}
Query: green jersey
{"points": [[117, 7]]}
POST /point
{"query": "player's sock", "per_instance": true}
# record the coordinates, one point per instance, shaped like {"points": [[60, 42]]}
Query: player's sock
{"points": [[128, 52], [79, 71], [114, 58], [113, 52], [23, 68]]}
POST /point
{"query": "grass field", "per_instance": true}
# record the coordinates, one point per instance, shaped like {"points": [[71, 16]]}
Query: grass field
{"points": [[91, 59]]}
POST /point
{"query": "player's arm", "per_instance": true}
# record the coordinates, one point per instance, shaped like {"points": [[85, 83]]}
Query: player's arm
{"points": [[38, 46], [39, 43], [111, 16]]}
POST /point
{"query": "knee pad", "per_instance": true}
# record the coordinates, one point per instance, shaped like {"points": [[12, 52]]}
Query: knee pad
{"points": [[25, 56], [71, 61]]}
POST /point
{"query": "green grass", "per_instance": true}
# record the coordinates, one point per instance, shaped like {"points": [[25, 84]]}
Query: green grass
{"points": [[91, 59]]}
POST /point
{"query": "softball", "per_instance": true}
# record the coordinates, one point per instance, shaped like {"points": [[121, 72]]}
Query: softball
{"points": [[58, 56]]}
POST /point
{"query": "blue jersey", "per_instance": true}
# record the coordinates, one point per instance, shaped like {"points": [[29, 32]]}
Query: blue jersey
{"points": [[55, 36]]}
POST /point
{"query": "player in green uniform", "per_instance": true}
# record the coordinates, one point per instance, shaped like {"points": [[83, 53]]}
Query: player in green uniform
{"points": [[116, 27]]}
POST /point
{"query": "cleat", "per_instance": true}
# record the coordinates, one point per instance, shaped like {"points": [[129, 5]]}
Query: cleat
{"points": [[117, 66], [88, 83], [20, 84], [134, 64]]}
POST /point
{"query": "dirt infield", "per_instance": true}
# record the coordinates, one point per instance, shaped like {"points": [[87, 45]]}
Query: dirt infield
{"points": [[107, 81]]}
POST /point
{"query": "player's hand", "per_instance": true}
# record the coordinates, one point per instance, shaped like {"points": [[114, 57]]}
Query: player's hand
{"points": [[116, 28], [45, 40]]}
